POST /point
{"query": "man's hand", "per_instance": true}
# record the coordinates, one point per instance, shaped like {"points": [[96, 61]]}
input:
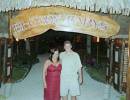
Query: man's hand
{"points": [[80, 80], [80, 72]]}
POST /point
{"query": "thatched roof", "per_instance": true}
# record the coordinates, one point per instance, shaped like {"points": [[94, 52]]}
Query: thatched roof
{"points": [[121, 7], [106, 6], [124, 23], [3, 25]]}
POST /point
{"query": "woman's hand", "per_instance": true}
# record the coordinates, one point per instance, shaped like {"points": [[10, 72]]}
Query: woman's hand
{"points": [[45, 85]]}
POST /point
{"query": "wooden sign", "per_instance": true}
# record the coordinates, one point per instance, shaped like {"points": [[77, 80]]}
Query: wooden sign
{"points": [[35, 21]]}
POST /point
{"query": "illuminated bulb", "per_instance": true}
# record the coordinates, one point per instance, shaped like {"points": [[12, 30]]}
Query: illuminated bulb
{"points": [[98, 39], [17, 39]]}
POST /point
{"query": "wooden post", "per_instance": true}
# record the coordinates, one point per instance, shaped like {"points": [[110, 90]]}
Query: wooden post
{"points": [[37, 45], [27, 43], [17, 47], [4, 59], [128, 83], [9, 50], [28, 51], [88, 44], [97, 53], [9, 60], [108, 62], [128, 73], [121, 65], [0, 62], [111, 56]]}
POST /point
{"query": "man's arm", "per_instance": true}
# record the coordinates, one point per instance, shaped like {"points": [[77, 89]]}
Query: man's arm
{"points": [[80, 72]]}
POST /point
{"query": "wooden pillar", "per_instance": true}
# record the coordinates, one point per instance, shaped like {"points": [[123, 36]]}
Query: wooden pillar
{"points": [[37, 45], [111, 56], [9, 46], [121, 66], [17, 47], [28, 52], [109, 74], [0, 62], [128, 83], [27, 46], [9, 61], [128, 73], [88, 44], [4, 59]]}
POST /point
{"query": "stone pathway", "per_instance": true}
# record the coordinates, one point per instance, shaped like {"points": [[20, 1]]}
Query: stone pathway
{"points": [[31, 88]]}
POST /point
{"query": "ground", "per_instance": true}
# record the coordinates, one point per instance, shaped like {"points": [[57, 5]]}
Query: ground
{"points": [[31, 88]]}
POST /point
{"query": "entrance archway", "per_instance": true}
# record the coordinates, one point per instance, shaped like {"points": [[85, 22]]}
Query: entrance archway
{"points": [[65, 20], [35, 21], [28, 23]]}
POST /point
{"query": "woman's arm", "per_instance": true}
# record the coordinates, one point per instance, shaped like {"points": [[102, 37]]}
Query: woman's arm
{"points": [[45, 72]]}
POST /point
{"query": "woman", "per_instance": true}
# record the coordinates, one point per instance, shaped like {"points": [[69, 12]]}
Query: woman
{"points": [[51, 77]]}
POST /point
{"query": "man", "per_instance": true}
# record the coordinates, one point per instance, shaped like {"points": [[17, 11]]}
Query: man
{"points": [[71, 74]]}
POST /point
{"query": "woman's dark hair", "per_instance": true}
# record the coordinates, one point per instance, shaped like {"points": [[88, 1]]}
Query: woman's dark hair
{"points": [[52, 51]]}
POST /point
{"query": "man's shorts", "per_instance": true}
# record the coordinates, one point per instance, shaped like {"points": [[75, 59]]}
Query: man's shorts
{"points": [[69, 85]]}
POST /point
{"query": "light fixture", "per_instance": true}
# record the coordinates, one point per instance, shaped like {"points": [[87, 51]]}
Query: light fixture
{"points": [[98, 39], [17, 39]]}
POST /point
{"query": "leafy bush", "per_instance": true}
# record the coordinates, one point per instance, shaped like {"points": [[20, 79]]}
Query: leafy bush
{"points": [[97, 74], [19, 73], [2, 97], [22, 64], [24, 60], [123, 98]]}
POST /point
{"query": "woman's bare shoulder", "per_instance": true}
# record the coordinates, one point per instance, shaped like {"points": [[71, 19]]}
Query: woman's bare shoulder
{"points": [[47, 62]]}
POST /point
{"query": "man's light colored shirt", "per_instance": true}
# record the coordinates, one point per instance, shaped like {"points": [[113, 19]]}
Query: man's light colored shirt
{"points": [[71, 64]]}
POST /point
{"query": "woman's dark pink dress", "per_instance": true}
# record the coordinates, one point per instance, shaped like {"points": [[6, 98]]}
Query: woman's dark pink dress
{"points": [[52, 92]]}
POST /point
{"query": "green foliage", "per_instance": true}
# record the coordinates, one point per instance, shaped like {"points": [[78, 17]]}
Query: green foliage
{"points": [[22, 64], [19, 73], [33, 58], [2, 97], [24, 60], [123, 98], [96, 73]]}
